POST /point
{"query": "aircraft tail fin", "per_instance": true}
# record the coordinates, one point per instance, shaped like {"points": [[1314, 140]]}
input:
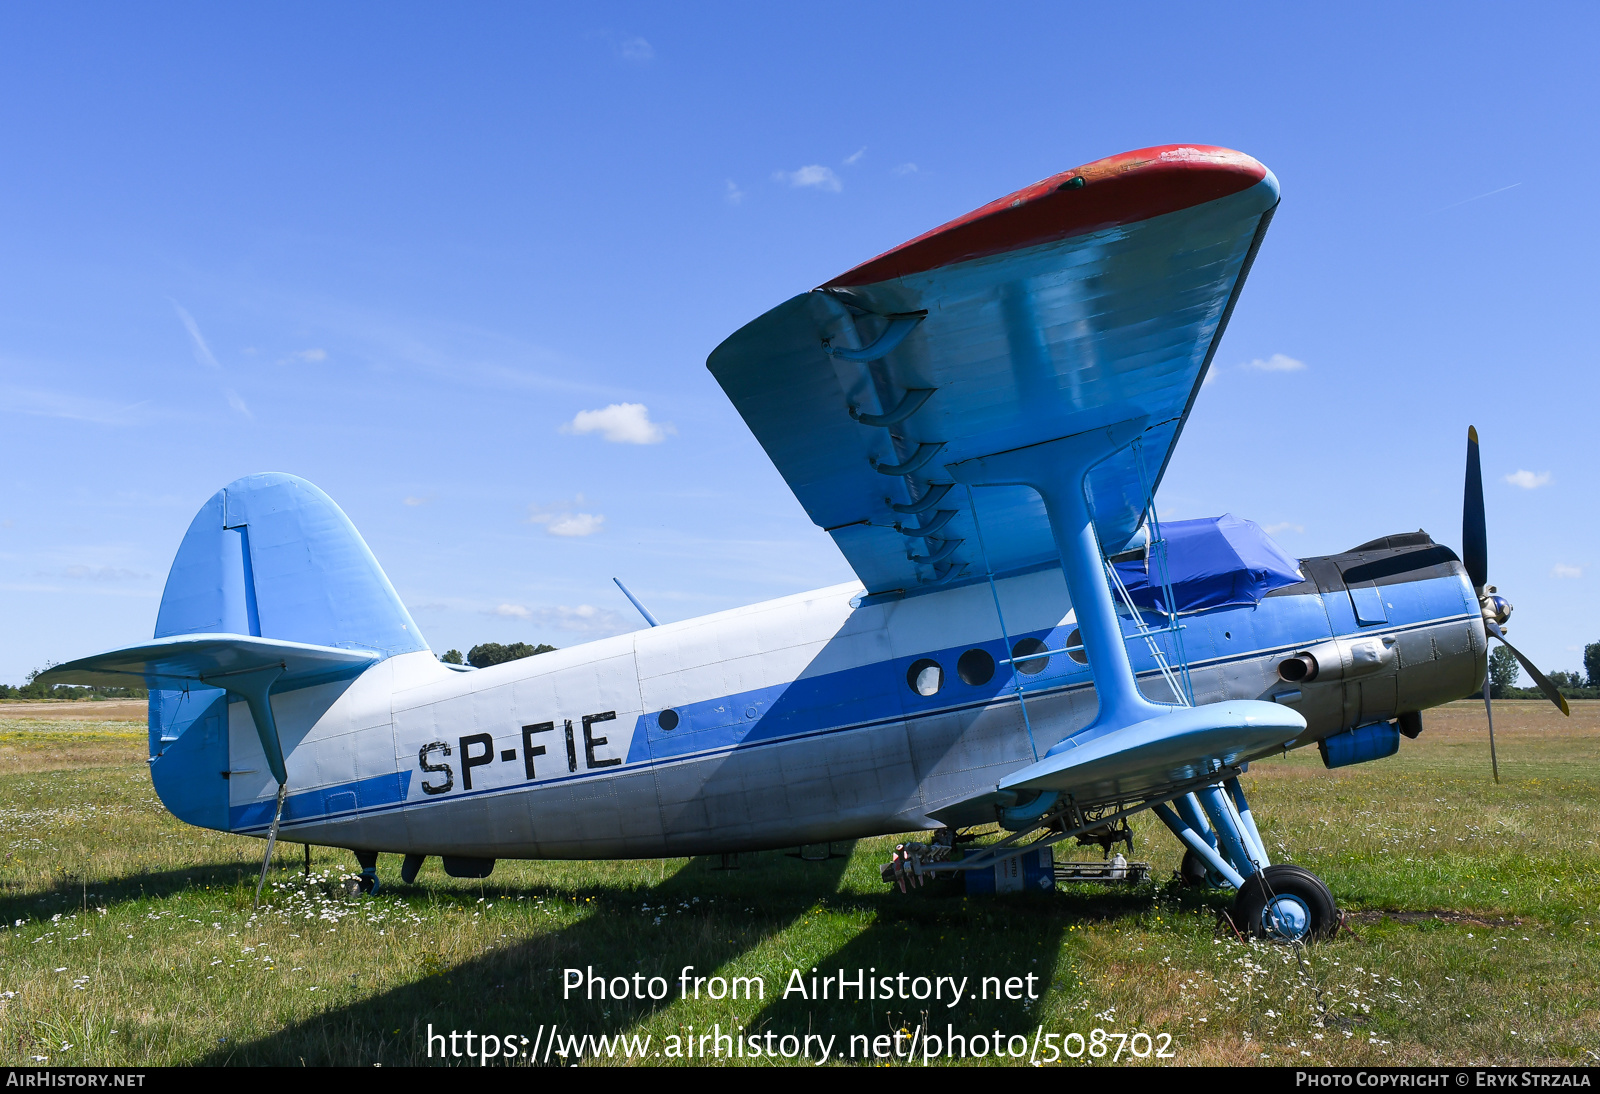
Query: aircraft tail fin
{"points": [[272, 589], [272, 556]]}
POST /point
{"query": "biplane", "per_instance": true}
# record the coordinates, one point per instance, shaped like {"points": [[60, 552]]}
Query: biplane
{"points": [[980, 419]]}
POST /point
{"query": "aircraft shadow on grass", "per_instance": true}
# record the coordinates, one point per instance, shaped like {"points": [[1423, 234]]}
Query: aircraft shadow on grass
{"points": [[70, 891], [514, 990]]}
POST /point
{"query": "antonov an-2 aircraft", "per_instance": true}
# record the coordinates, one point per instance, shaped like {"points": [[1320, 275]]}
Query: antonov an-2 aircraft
{"points": [[979, 418]]}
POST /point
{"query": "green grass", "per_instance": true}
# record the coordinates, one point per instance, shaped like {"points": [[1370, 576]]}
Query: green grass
{"points": [[1475, 914]]}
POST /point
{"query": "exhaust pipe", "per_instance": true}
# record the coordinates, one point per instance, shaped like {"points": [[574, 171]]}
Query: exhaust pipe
{"points": [[1341, 659]]}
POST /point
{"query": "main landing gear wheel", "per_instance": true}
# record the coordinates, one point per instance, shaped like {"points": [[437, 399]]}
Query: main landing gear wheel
{"points": [[1285, 904], [1195, 874]]}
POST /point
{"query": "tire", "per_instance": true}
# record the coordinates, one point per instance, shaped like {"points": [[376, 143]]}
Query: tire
{"points": [[1286, 904], [1195, 874]]}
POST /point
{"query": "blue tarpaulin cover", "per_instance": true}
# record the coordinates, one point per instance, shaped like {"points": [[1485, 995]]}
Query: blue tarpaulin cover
{"points": [[1213, 562]]}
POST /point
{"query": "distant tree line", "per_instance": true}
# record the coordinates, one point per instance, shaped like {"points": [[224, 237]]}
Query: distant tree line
{"points": [[35, 690], [493, 653], [1504, 671]]}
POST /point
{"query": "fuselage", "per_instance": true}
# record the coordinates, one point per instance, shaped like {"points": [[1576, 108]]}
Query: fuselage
{"points": [[800, 720]]}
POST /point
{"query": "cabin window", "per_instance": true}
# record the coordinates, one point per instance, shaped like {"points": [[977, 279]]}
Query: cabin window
{"points": [[1025, 656], [1076, 639], [668, 720], [925, 677], [975, 667]]}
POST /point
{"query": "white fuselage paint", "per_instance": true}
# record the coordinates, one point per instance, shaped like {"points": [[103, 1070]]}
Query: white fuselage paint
{"points": [[808, 785], [859, 753]]}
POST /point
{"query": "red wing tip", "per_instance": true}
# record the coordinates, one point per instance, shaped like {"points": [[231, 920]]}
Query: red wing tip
{"points": [[1120, 189]]}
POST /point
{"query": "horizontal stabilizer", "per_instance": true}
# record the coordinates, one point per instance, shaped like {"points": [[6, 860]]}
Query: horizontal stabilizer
{"points": [[185, 661], [1149, 756]]}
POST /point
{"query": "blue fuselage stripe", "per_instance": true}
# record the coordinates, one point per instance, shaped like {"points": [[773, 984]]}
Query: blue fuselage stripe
{"points": [[877, 695]]}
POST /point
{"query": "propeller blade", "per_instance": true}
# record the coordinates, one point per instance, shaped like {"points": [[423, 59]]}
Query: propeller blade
{"points": [[1474, 530], [1488, 711], [1551, 692]]}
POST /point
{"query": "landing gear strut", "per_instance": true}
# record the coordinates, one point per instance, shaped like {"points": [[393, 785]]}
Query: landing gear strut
{"points": [[1225, 849], [367, 883]]}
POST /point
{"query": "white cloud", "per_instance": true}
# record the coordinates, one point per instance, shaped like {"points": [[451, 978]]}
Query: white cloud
{"points": [[855, 156], [237, 403], [311, 356], [584, 619], [814, 175], [1528, 480], [637, 49], [1282, 526], [905, 169], [562, 519], [418, 501], [621, 423], [575, 524], [734, 195], [1561, 569], [1276, 363], [202, 352]]}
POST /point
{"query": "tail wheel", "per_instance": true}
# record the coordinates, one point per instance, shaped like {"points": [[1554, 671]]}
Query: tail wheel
{"points": [[1286, 904]]}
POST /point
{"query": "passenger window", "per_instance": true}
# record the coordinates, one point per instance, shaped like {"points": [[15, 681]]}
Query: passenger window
{"points": [[925, 677], [1076, 639], [668, 720], [1024, 656], [975, 667]]}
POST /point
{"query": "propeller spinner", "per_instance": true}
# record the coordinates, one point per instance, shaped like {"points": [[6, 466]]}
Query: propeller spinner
{"points": [[1496, 609]]}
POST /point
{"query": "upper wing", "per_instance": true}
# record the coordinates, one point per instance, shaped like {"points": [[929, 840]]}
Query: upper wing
{"points": [[1095, 296]]}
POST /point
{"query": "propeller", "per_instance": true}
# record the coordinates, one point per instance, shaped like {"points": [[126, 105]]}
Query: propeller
{"points": [[1496, 609]]}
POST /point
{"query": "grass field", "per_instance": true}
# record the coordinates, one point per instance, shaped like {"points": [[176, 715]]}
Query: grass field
{"points": [[129, 937]]}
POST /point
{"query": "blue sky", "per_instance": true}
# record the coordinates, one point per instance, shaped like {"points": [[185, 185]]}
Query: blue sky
{"points": [[402, 250]]}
